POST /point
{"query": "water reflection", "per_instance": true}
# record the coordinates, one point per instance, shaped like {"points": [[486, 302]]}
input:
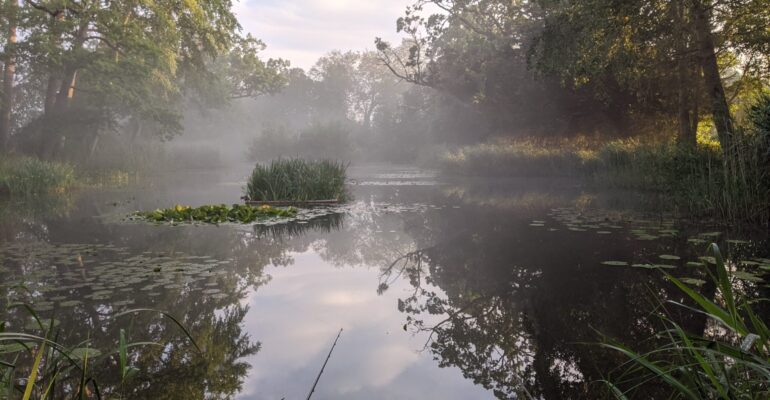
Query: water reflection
{"points": [[500, 284], [519, 309]]}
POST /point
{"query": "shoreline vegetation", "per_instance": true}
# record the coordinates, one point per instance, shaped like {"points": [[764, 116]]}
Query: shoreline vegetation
{"points": [[731, 360], [701, 179], [25, 176]]}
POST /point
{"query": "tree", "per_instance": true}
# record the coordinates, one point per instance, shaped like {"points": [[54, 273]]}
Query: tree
{"points": [[98, 63], [10, 8]]}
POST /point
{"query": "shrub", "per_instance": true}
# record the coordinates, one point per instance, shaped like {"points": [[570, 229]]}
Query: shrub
{"points": [[297, 180]]}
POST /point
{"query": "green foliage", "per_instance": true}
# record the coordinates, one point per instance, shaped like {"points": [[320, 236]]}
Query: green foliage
{"points": [[701, 180], [215, 214], [297, 180], [27, 176], [758, 121], [731, 361], [55, 365]]}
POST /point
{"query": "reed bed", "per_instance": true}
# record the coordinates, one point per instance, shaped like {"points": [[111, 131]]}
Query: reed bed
{"points": [[298, 180], [27, 176]]}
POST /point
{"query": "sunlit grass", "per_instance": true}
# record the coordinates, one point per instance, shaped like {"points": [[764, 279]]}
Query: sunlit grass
{"points": [[700, 180]]}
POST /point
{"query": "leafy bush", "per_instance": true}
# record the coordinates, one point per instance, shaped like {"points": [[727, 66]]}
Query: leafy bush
{"points": [[297, 180], [216, 214], [732, 365], [25, 176]]}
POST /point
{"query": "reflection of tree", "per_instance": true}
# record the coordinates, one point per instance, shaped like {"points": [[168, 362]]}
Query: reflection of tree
{"points": [[214, 319], [512, 313]]}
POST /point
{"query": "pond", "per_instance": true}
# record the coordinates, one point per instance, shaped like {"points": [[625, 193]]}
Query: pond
{"points": [[450, 289]]}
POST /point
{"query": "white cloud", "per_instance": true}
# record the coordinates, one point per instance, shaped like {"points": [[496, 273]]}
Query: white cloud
{"points": [[304, 30]]}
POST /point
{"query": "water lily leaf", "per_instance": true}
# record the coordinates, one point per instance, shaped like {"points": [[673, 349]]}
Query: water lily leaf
{"points": [[695, 264], [615, 263], [747, 276], [693, 281], [82, 352], [669, 257]]}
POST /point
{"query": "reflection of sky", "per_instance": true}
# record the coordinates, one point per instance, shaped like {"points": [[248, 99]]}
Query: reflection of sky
{"points": [[303, 30], [296, 317]]}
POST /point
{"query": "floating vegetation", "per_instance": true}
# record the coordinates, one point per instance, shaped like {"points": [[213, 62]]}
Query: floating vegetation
{"points": [[693, 281], [669, 257], [66, 276], [216, 214], [615, 263], [297, 180]]}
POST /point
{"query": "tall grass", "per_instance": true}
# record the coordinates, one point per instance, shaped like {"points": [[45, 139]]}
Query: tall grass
{"points": [[702, 180], [734, 363], [297, 180], [36, 365], [25, 176]]}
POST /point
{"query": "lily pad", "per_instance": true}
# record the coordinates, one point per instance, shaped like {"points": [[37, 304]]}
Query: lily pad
{"points": [[615, 263], [669, 257]]}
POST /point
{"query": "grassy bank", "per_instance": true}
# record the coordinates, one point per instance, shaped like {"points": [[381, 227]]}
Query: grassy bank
{"points": [[699, 180], [297, 180], [27, 176]]}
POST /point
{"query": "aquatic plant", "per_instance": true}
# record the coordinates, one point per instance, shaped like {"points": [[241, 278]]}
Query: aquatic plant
{"points": [[50, 365], [26, 176], [215, 214], [731, 360], [297, 180]]}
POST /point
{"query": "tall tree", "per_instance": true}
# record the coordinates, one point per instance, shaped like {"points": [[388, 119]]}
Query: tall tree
{"points": [[10, 9]]}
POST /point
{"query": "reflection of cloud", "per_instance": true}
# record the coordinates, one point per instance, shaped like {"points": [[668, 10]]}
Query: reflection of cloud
{"points": [[303, 30], [296, 317]]}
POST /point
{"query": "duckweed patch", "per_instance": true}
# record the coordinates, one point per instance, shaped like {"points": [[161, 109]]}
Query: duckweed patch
{"points": [[215, 214]]}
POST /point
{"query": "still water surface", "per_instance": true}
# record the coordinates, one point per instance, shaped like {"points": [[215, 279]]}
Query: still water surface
{"points": [[444, 289]]}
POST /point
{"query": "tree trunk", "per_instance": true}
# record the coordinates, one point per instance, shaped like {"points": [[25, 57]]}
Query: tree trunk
{"points": [[50, 94], [686, 92], [712, 80], [9, 74]]}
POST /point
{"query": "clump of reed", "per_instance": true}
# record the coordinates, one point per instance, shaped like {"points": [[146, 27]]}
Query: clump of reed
{"points": [[297, 180], [26, 176], [730, 361]]}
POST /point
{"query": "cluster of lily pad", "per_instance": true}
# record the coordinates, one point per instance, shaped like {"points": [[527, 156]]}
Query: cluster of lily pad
{"points": [[635, 227], [215, 214], [67, 275]]}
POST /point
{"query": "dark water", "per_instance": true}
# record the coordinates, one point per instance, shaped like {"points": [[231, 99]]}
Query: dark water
{"points": [[444, 289]]}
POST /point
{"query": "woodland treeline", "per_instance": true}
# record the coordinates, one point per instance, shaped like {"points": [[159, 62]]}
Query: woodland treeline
{"points": [[467, 70], [557, 67], [74, 71]]}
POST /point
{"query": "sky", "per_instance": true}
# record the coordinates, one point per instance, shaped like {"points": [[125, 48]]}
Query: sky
{"points": [[304, 30]]}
